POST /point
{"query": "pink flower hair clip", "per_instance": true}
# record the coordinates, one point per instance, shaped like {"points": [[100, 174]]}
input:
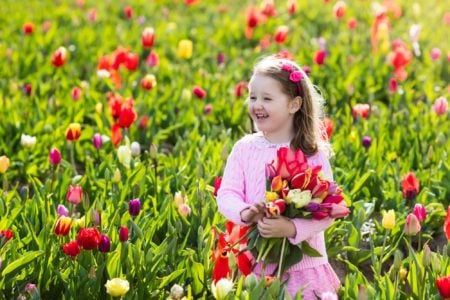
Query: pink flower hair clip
{"points": [[294, 75]]}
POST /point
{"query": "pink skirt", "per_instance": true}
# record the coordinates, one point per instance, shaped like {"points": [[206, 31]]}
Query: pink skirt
{"points": [[311, 282]]}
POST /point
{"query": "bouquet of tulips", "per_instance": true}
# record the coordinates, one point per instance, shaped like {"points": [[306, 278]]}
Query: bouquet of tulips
{"points": [[294, 190]]}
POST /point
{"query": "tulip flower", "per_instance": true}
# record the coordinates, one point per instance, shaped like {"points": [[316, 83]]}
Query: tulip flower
{"points": [[184, 210], [27, 141], [62, 210], [410, 186], [28, 28], [127, 116], [222, 288], [128, 12], [361, 110], [73, 132], [366, 141], [328, 125], [135, 149], [319, 57], [176, 292], [74, 194], [97, 141], [339, 9], [6, 234], [148, 37], [148, 82], [76, 93], [185, 49], [443, 285], [117, 287], [116, 177], [435, 53], [420, 212], [123, 234], [134, 207], [199, 92], [220, 58], [143, 122], [440, 106], [4, 164], [124, 155], [388, 221], [352, 23], [291, 6], [217, 183], [27, 89], [393, 85], [132, 62], [207, 109], [153, 59], [105, 244], [63, 225], [275, 208], [88, 238], [412, 225], [447, 224], [71, 249], [54, 156], [59, 58], [281, 34]]}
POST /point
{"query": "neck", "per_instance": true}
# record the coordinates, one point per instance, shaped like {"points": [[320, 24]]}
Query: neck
{"points": [[278, 139]]}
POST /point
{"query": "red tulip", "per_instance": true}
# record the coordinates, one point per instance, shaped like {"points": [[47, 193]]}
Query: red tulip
{"points": [[116, 134], [71, 249], [241, 89], [443, 285], [128, 12], [59, 58], [148, 37], [352, 23], [217, 183], [190, 2], [132, 62], [88, 238], [401, 56], [127, 116], [393, 85], [281, 34], [123, 234], [291, 6], [199, 92], [319, 57], [269, 8], [143, 122], [361, 110], [339, 9], [328, 124], [447, 224], [288, 163], [63, 225], [73, 132], [28, 28], [275, 208], [7, 234], [148, 82], [27, 89], [74, 194], [54, 156], [76, 93], [410, 186]]}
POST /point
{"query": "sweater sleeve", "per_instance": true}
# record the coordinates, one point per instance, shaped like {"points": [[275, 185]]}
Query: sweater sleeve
{"points": [[307, 228], [231, 195]]}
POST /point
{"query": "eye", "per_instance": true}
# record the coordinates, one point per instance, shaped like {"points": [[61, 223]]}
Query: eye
{"points": [[252, 98], [267, 98]]}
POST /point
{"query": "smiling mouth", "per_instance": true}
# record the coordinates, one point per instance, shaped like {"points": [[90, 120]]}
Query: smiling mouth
{"points": [[261, 116]]}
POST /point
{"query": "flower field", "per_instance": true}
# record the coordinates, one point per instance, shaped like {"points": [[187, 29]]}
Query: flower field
{"points": [[118, 116]]}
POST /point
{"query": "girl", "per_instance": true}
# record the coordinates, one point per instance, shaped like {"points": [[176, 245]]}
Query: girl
{"points": [[287, 111]]}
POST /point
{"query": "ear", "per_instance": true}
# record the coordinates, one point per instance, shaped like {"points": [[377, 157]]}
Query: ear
{"points": [[295, 104]]}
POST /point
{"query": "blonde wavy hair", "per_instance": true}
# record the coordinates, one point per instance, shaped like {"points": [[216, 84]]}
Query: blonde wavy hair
{"points": [[310, 135]]}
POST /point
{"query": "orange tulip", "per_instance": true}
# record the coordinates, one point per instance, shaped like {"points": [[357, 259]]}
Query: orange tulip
{"points": [[73, 132], [28, 28], [410, 186], [148, 82]]}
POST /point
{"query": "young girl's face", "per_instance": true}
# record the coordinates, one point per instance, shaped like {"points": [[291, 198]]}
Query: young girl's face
{"points": [[270, 108]]}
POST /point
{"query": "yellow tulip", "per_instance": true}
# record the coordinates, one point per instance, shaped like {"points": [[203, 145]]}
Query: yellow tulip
{"points": [[388, 221], [185, 49], [117, 177], [4, 164], [117, 287], [403, 273], [271, 196]]}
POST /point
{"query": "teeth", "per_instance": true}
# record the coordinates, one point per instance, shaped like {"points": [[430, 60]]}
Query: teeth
{"points": [[260, 116]]}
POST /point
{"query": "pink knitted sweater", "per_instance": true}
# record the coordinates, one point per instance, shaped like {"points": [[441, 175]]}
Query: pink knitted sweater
{"points": [[243, 184]]}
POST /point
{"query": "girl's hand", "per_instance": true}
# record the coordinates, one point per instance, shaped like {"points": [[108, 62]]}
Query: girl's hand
{"points": [[253, 213], [276, 227]]}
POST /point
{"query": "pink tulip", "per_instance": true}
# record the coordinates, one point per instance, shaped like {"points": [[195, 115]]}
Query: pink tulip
{"points": [[435, 53], [74, 194], [440, 106], [339, 210], [412, 225], [54, 156], [76, 93], [420, 212]]}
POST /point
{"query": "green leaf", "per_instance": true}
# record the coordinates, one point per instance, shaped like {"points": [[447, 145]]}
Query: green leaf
{"points": [[172, 276], [22, 262], [308, 250], [361, 182], [198, 275]]}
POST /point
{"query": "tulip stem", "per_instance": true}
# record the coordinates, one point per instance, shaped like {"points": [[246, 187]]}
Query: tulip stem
{"points": [[72, 159], [380, 262], [281, 258], [5, 183]]}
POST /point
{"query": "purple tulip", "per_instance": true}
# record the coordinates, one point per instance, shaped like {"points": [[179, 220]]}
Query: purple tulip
{"points": [[97, 141], [312, 206], [54, 156], [134, 207], [62, 211], [220, 58], [366, 141], [96, 217], [105, 244]]}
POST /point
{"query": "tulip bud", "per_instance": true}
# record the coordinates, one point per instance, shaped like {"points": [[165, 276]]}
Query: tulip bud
{"points": [[74, 194], [388, 221], [366, 141], [124, 155], [105, 244], [98, 108], [176, 292], [184, 210], [153, 59], [97, 141], [76, 93], [73, 132], [412, 225], [185, 49], [420, 212], [4, 164], [134, 207], [117, 287], [398, 257], [403, 273], [135, 149], [28, 28], [208, 109], [220, 58], [426, 255], [199, 92], [153, 151], [62, 210], [96, 217], [250, 281], [59, 58], [222, 288], [117, 177], [435, 53], [148, 82], [440, 106], [148, 37], [123, 234]]}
